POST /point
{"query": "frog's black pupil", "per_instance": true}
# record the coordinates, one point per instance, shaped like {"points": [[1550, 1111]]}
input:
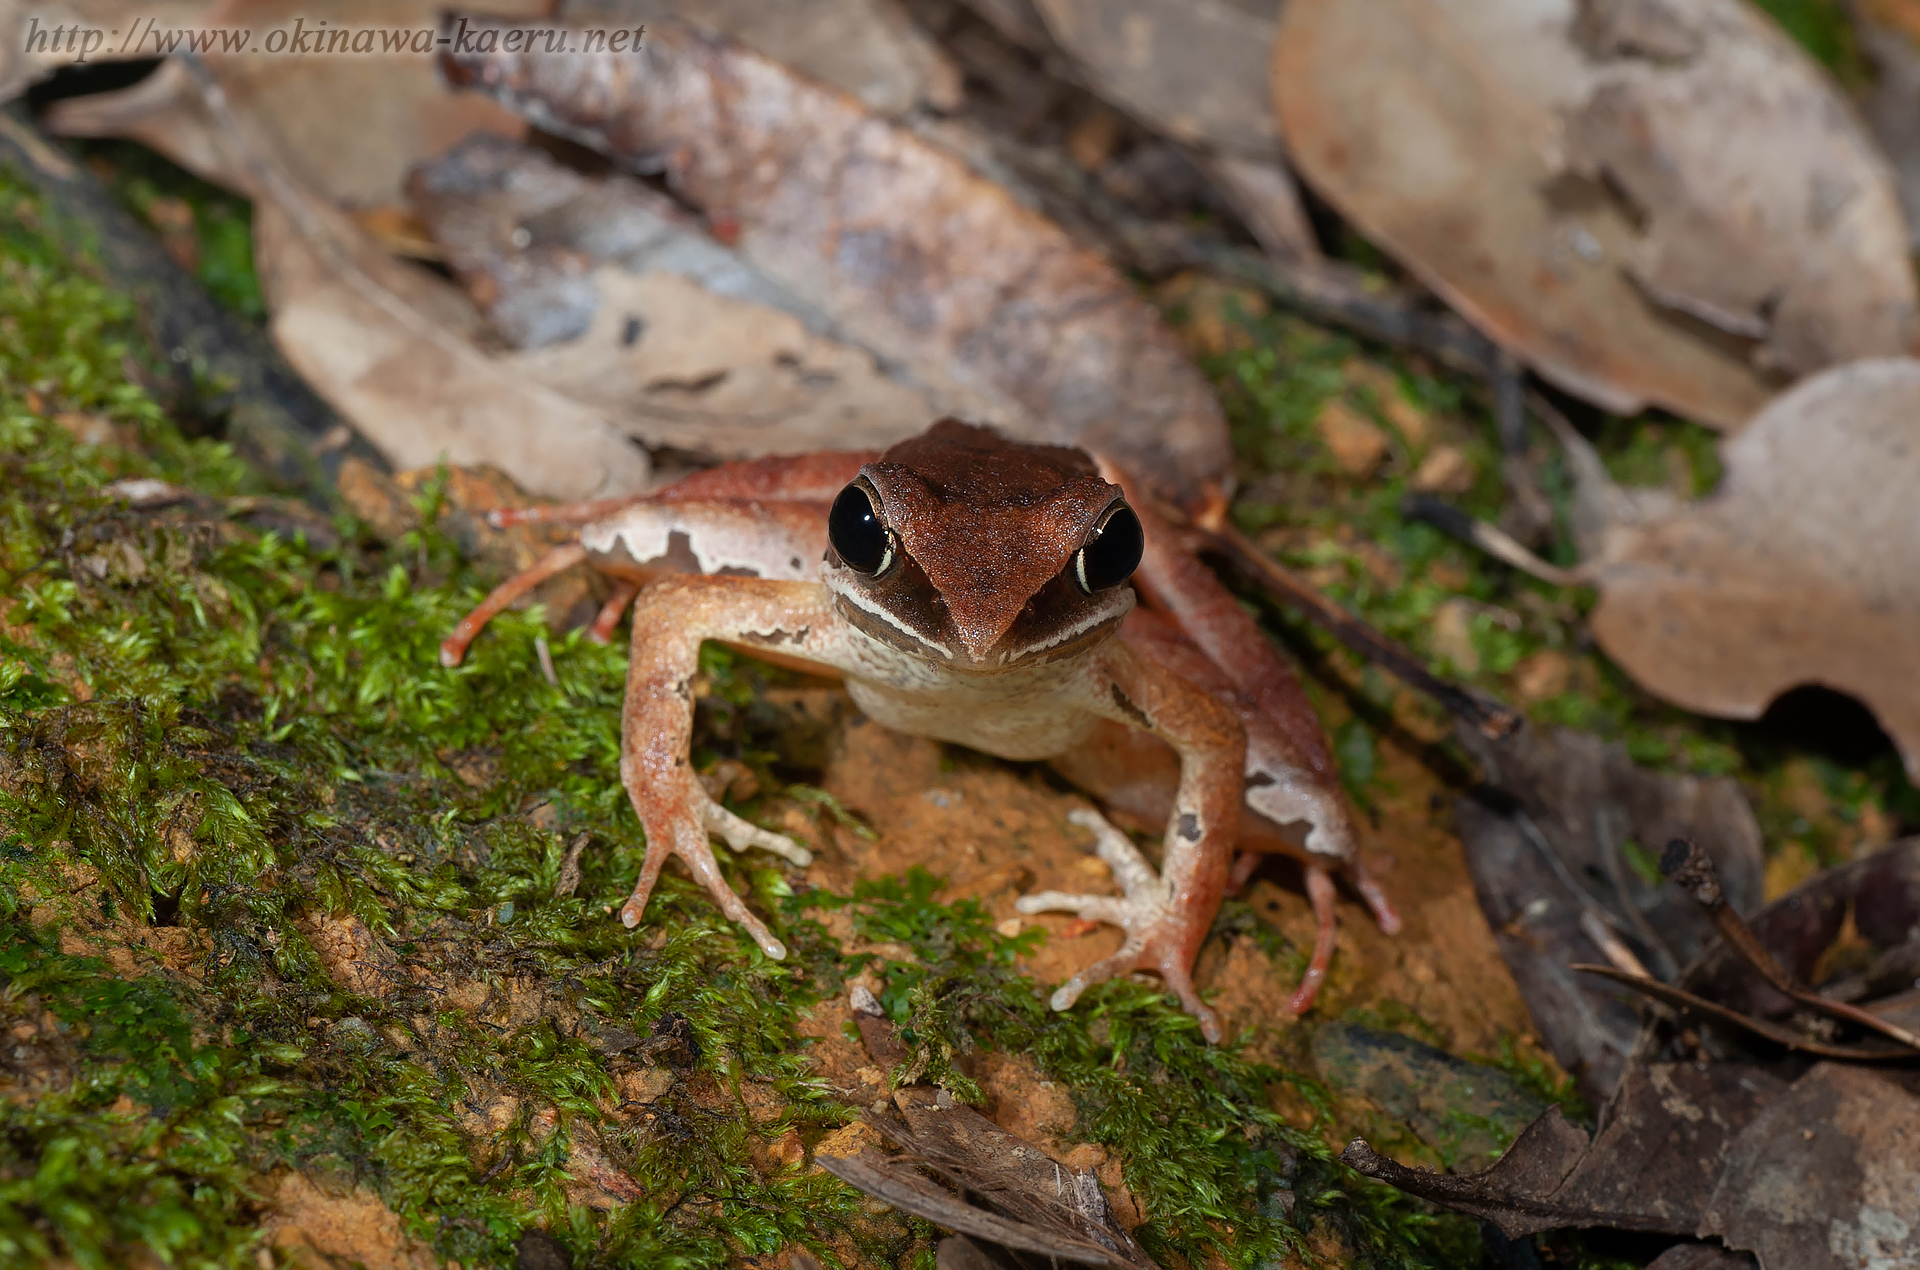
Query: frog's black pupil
{"points": [[1113, 554], [854, 529]]}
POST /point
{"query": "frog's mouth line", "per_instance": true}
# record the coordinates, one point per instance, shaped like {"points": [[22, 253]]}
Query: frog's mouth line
{"points": [[877, 623]]}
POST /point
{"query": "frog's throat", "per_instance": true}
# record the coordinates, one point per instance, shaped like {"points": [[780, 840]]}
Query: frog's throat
{"points": [[1097, 624]]}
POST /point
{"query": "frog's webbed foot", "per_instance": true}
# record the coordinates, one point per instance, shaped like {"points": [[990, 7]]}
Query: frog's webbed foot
{"points": [[1157, 935], [691, 843]]}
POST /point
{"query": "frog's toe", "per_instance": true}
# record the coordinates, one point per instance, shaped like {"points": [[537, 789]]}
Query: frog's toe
{"points": [[696, 853], [1156, 936], [741, 834], [1155, 949], [1110, 909], [1126, 961], [1145, 899]]}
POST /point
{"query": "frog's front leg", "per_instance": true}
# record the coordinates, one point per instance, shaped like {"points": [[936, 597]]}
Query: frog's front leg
{"points": [[1165, 917], [671, 619]]}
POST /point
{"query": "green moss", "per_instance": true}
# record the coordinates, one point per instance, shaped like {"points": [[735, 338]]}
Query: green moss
{"points": [[222, 230], [1822, 28], [1249, 1189], [237, 733], [157, 1140], [1652, 451]]}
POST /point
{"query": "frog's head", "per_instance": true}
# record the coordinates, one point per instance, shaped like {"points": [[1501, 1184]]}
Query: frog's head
{"points": [[981, 553]]}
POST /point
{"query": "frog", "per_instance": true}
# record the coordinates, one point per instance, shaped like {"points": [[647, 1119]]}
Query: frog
{"points": [[1017, 598]]}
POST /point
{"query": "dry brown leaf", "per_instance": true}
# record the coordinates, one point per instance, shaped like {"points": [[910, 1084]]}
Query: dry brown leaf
{"points": [[1551, 870], [1651, 1167], [985, 304], [1802, 568], [391, 346], [347, 126], [1827, 1176], [1196, 70], [870, 48], [1712, 1135], [1010, 1192], [622, 302], [1193, 69], [372, 335], [1651, 201], [1889, 35], [720, 376]]}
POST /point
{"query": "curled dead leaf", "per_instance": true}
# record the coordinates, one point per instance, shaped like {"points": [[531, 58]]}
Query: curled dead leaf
{"points": [[986, 304], [1652, 202], [1802, 568], [617, 299]]}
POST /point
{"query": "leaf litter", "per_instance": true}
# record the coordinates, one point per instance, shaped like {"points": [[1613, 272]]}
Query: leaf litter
{"points": [[1558, 841], [622, 301], [494, 254], [1712, 1133]]}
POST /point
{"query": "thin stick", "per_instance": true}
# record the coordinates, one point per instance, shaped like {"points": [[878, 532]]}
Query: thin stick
{"points": [[1491, 718], [1455, 523], [1684, 863]]}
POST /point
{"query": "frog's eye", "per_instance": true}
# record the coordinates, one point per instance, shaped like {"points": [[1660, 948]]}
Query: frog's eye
{"points": [[1112, 553], [856, 531]]}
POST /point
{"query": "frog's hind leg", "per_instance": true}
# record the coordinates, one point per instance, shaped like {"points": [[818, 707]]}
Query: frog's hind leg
{"points": [[1325, 928], [1375, 896], [454, 647], [624, 591]]}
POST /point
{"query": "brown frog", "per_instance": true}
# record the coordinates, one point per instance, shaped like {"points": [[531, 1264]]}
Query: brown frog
{"points": [[975, 590]]}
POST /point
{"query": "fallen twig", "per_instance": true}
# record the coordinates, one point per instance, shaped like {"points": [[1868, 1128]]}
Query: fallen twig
{"points": [[1693, 870], [1681, 999], [1490, 717], [1491, 539]]}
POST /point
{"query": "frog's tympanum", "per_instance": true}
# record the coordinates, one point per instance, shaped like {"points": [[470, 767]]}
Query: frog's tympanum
{"points": [[988, 593]]}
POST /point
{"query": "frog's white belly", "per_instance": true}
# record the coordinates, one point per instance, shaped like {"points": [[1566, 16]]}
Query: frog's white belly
{"points": [[1035, 727], [1028, 713]]}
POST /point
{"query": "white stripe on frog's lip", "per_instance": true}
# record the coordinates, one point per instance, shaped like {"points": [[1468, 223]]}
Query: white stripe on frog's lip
{"points": [[1109, 614], [830, 574]]}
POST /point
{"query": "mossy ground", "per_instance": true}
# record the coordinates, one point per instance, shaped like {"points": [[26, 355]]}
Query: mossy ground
{"points": [[279, 895]]}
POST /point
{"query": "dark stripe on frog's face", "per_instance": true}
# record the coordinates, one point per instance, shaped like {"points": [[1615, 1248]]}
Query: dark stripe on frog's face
{"points": [[982, 536]]}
